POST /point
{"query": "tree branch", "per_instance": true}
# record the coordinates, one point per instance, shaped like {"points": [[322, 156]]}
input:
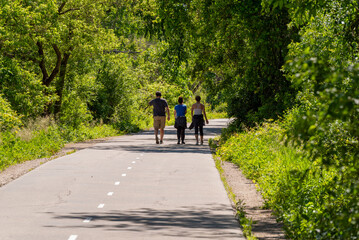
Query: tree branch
{"points": [[46, 79], [69, 10], [61, 83], [42, 66], [60, 12], [56, 70], [61, 7], [119, 51]]}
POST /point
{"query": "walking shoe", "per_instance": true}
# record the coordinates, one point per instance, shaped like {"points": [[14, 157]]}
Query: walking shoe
{"points": [[197, 143], [201, 142], [178, 142], [161, 141], [183, 142], [157, 142]]}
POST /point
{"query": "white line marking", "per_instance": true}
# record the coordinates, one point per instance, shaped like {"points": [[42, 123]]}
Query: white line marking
{"points": [[141, 155], [73, 237], [124, 175], [117, 183], [137, 158], [87, 220], [129, 168], [133, 162], [101, 205], [110, 194]]}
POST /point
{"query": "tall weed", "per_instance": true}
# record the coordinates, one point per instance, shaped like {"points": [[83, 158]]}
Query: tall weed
{"points": [[43, 143]]}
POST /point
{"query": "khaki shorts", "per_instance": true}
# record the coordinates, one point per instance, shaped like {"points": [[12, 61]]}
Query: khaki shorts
{"points": [[159, 122]]}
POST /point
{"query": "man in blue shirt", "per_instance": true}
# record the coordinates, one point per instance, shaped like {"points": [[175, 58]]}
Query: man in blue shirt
{"points": [[160, 107]]}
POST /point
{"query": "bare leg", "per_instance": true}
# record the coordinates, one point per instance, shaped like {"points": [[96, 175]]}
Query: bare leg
{"points": [[201, 139], [162, 133], [156, 135], [196, 135]]}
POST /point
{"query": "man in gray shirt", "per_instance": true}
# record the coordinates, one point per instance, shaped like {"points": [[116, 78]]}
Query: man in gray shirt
{"points": [[160, 107]]}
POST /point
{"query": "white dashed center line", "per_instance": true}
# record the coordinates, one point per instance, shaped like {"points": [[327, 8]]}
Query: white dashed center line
{"points": [[102, 205], [73, 237], [87, 220]]}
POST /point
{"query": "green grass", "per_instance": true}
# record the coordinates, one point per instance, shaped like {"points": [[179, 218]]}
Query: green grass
{"points": [[28, 144]]}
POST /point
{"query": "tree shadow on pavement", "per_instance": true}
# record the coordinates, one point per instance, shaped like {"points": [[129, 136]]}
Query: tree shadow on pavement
{"points": [[153, 148], [206, 222], [145, 142]]}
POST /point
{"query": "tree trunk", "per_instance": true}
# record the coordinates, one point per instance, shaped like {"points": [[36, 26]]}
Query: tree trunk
{"points": [[46, 79], [61, 83]]}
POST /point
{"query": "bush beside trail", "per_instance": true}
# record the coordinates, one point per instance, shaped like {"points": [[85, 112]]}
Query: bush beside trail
{"points": [[310, 199]]}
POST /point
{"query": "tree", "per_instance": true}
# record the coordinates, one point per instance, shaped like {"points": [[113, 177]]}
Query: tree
{"points": [[236, 49], [46, 34], [324, 70]]}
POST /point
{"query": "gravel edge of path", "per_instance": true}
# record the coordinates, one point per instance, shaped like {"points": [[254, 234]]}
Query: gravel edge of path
{"points": [[265, 225]]}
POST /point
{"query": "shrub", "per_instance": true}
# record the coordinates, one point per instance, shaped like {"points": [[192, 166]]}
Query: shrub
{"points": [[43, 143], [303, 193], [8, 117]]}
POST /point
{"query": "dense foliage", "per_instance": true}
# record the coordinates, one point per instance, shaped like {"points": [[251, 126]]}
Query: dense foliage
{"points": [[263, 57], [88, 63], [83, 63], [305, 196], [82, 60]]}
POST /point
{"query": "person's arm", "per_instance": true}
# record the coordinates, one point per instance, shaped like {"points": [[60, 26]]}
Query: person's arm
{"points": [[205, 115], [168, 113], [174, 113], [192, 112]]}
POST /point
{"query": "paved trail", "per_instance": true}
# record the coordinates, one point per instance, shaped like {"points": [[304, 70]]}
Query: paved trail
{"points": [[126, 188]]}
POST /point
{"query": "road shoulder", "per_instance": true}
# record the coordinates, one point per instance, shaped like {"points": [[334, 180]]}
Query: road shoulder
{"points": [[264, 224]]}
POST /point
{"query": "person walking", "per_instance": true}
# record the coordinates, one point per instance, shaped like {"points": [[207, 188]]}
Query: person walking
{"points": [[180, 120], [160, 107], [198, 110]]}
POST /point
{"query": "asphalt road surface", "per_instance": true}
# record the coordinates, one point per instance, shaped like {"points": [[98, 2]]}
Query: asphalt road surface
{"points": [[126, 188]]}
